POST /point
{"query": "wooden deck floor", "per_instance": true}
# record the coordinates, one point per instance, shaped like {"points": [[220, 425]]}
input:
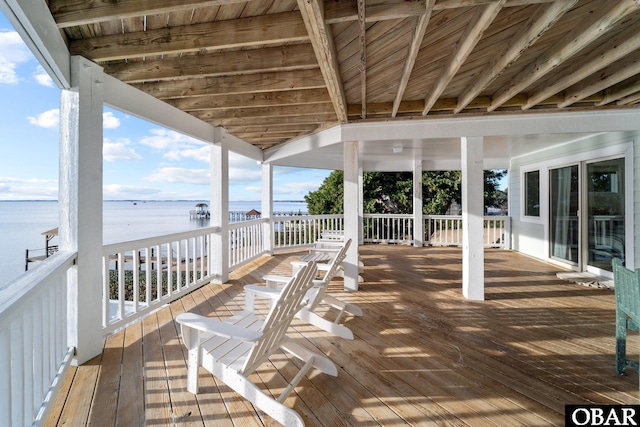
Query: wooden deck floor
{"points": [[423, 355]]}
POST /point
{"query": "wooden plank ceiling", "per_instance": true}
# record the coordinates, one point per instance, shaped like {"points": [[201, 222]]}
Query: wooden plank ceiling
{"points": [[273, 70]]}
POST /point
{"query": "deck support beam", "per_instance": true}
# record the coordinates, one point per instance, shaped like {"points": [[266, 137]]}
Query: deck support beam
{"points": [[80, 201], [352, 217], [472, 218], [219, 168], [267, 206], [418, 229]]}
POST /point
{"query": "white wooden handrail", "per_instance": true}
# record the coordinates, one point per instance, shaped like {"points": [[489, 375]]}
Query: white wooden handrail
{"points": [[34, 351]]}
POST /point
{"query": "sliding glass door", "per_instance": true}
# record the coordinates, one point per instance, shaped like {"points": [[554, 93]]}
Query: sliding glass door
{"points": [[564, 221], [605, 213], [586, 214]]}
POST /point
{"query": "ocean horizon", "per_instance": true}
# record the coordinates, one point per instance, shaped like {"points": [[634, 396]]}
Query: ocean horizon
{"points": [[23, 221]]}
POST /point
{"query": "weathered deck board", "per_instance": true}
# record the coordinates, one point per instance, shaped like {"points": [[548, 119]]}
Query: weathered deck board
{"points": [[422, 354]]}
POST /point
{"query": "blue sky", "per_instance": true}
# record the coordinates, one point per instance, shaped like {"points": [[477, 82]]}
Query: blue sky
{"points": [[141, 160]]}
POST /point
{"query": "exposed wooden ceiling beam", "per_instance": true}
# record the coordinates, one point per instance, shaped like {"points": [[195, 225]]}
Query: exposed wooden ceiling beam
{"points": [[68, 13], [448, 105], [235, 33], [618, 93], [543, 19], [269, 59], [414, 48], [318, 119], [320, 33], [363, 56], [581, 36], [381, 10], [252, 100], [273, 113], [631, 99], [272, 128], [620, 71], [622, 45], [245, 83], [472, 35]]}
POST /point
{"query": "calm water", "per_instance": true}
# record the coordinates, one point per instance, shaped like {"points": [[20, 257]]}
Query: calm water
{"points": [[21, 224]]}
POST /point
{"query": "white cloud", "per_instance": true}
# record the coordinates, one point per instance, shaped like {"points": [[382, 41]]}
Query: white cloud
{"points": [[297, 188], [109, 121], [118, 150], [176, 145], [121, 191], [180, 175], [28, 189], [202, 154], [13, 52], [49, 119], [42, 78]]}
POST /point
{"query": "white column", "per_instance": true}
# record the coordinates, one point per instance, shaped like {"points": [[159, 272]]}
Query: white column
{"points": [[472, 218], [360, 203], [80, 204], [220, 209], [418, 229], [351, 213], [267, 206]]}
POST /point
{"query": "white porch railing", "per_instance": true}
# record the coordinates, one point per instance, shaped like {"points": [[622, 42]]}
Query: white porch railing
{"points": [[446, 230], [378, 228], [33, 340], [142, 275], [304, 230], [246, 242]]}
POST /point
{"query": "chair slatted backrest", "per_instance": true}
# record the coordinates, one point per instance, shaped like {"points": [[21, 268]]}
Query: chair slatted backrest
{"points": [[627, 290], [317, 292], [291, 300]]}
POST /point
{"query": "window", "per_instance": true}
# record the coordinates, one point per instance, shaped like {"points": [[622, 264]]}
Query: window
{"points": [[532, 193]]}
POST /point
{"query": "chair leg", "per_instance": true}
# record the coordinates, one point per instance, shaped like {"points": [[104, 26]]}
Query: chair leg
{"points": [[193, 359], [621, 342], [247, 389], [324, 324]]}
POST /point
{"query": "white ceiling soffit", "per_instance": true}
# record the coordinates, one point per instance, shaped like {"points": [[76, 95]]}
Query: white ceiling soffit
{"points": [[437, 141]]}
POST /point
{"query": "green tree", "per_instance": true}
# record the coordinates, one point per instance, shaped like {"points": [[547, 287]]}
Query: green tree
{"points": [[328, 198], [392, 192]]}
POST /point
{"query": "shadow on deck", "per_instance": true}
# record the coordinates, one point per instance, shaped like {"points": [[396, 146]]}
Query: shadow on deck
{"points": [[422, 353]]}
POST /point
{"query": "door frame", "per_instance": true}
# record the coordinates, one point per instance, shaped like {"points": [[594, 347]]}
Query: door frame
{"points": [[624, 150]]}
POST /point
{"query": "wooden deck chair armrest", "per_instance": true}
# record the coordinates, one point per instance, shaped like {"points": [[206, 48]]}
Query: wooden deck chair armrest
{"points": [[225, 330], [326, 248], [272, 279], [297, 265], [262, 291]]}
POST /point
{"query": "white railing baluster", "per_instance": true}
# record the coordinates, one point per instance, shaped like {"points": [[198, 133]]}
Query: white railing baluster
{"points": [[136, 281], [17, 366], [120, 285], [5, 385]]}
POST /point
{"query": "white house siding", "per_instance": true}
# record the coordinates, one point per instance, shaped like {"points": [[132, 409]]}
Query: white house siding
{"points": [[530, 237]]}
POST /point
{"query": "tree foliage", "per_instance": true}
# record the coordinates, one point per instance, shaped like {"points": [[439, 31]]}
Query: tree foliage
{"points": [[392, 192]]}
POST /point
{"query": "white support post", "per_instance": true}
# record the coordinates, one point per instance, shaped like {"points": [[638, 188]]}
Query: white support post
{"points": [[352, 218], [80, 204], [418, 228], [360, 204], [220, 208], [267, 206], [472, 218]]}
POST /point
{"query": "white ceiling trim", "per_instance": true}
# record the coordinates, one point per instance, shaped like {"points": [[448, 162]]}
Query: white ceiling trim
{"points": [[504, 125], [32, 20]]}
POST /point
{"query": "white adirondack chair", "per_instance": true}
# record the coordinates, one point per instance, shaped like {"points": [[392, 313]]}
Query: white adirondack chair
{"points": [[316, 296], [233, 349]]}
